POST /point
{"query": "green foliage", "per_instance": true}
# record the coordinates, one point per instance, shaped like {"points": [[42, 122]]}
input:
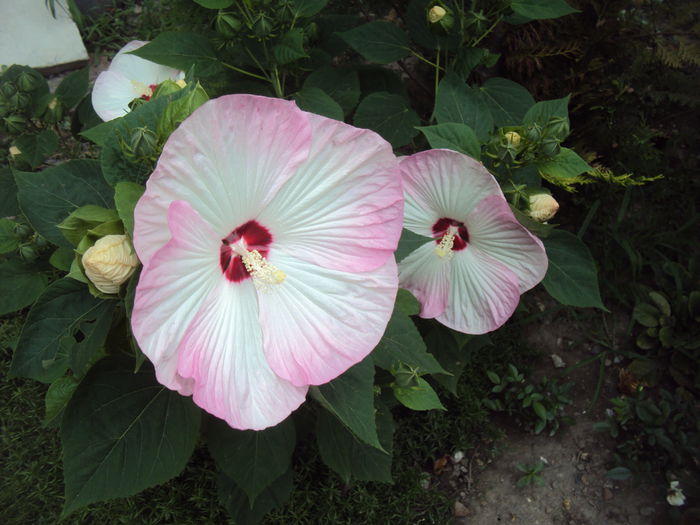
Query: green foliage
{"points": [[532, 474], [20, 285], [378, 42], [315, 100], [388, 115], [454, 136], [457, 102]]}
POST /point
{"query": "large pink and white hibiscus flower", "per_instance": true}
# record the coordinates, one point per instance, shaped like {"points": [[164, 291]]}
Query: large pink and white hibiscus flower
{"points": [[267, 236], [471, 275], [128, 77]]}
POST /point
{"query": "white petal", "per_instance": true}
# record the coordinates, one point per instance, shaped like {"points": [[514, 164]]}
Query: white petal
{"points": [[223, 355], [139, 69], [111, 95], [319, 322], [427, 276]]}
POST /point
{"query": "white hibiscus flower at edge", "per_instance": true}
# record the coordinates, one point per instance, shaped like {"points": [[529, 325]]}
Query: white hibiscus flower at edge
{"points": [[128, 77]]}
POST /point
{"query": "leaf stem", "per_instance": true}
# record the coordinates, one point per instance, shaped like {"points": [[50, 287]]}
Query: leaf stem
{"points": [[244, 72]]}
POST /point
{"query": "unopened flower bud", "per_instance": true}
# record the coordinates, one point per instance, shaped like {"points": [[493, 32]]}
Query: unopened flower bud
{"points": [[513, 138], [110, 262], [543, 207], [674, 495], [14, 151], [27, 82], [143, 143], [7, 89], [436, 14]]}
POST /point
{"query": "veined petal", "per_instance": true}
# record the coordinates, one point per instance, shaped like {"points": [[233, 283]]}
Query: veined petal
{"points": [[427, 276], [343, 208], [228, 159], [442, 183], [111, 95], [494, 230], [319, 322], [483, 293], [222, 353], [139, 69], [172, 289]]}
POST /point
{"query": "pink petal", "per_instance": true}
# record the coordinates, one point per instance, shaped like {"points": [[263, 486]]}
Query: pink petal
{"points": [[483, 293], [172, 289], [442, 183], [427, 276], [228, 159], [319, 322], [222, 353], [111, 95], [343, 208], [495, 231]]}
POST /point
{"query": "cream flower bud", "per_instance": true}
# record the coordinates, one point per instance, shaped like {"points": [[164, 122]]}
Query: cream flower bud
{"points": [[513, 138], [436, 14], [181, 83], [14, 151], [110, 262], [674, 495], [543, 207]]}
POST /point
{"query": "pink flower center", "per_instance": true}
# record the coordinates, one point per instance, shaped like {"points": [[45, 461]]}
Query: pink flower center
{"points": [[461, 237], [249, 236]]}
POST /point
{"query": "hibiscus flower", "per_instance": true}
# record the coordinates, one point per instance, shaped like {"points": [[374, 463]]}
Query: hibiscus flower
{"points": [[267, 238], [480, 259], [128, 77]]}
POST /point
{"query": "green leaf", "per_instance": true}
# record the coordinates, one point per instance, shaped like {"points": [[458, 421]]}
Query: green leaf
{"points": [[37, 147], [350, 458], [252, 459], [542, 9], [307, 8], [572, 277], [215, 4], [379, 42], [9, 240], [539, 410], [375, 78], [73, 88], [454, 136], [343, 85], [182, 50], [236, 502], [543, 111], [619, 473], [406, 303], [661, 302], [388, 115], [418, 397], [508, 101], [48, 197], [493, 377], [539, 426], [409, 242], [420, 30], [646, 314], [76, 225], [453, 351], [8, 194], [57, 314], [290, 47], [126, 195], [20, 285], [402, 343], [90, 348], [566, 164], [350, 398], [315, 100], [57, 397], [123, 432], [467, 59], [457, 102]]}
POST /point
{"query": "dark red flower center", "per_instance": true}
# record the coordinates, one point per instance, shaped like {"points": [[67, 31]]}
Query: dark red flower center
{"points": [[461, 237], [152, 87], [254, 237]]}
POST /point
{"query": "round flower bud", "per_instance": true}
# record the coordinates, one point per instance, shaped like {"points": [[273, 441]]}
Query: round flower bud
{"points": [[436, 14], [513, 138], [674, 495], [110, 262], [14, 151], [543, 207]]}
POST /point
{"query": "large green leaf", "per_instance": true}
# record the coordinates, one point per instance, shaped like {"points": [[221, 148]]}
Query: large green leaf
{"points": [[409, 242], [20, 285], [215, 4], [543, 111], [57, 397], [343, 85], [126, 195], [306, 8], [37, 147], [94, 336], [542, 9], [290, 46], [564, 165], [48, 197], [420, 396], [402, 343], [351, 458], [315, 100], [123, 432], [8, 194], [73, 87], [350, 398], [572, 277], [182, 50], [236, 502], [51, 325], [379, 42], [454, 136], [508, 101], [252, 459], [9, 240], [388, 115], [453, 350], [457, 102]]}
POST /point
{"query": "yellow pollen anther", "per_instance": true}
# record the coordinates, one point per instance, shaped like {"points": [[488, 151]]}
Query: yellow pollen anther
{"points": [[444, 249], [263, 273]]}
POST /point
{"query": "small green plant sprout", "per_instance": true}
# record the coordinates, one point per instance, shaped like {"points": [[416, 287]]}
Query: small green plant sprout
{"points": [[540, 405], [531, 474]]}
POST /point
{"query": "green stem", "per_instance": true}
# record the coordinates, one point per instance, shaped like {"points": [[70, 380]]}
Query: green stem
{"points": [[244, 72], [437, 71], [421, 57], [493, 26], [276, 82]]}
